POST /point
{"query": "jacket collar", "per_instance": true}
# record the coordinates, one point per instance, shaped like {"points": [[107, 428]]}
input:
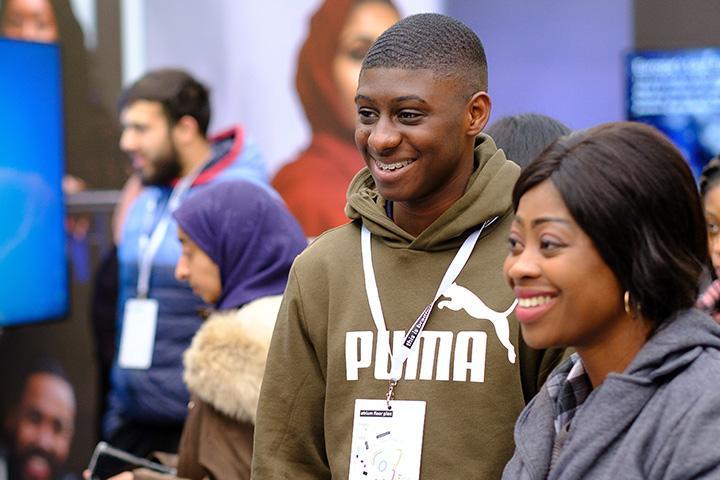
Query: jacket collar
{"points": [[225, 362]]}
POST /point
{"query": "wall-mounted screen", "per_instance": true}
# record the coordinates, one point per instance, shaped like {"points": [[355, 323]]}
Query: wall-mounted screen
{"points": [[33, 268], [678, 92]]}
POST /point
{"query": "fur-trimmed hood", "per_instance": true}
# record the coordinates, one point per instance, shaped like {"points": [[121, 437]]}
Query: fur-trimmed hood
{"points": [[225, 362]]}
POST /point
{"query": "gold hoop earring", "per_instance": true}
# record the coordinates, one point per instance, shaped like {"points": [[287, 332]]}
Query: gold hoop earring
{"points": [[627, 302], [628, 307]]}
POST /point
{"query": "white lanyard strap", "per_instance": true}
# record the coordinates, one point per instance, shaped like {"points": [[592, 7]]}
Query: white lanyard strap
{"points": [[461, 257], [149, 246]]}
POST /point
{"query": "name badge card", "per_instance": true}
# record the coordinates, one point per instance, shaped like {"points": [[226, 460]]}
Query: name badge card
{"points": [[138, 333], [387, 443]]}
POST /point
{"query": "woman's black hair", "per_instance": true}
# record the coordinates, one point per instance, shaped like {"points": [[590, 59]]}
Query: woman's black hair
{"points": [[523, 137], [633, 194]]}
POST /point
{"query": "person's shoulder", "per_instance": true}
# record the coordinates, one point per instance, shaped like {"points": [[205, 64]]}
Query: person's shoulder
{"points": [[330, 246], [689, 420], [304, 192], [256, 318], [301, 173], [702, 376], [693, 363], [691, 396]]}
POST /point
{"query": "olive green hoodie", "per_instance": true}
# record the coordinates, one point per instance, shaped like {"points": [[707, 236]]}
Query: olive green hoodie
{"points": [[326, 352]]}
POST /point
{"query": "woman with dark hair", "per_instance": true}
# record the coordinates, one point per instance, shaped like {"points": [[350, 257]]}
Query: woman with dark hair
{"points": [[91, 154], [315, 183], [709, 301], [523, 137], [605, 257]]}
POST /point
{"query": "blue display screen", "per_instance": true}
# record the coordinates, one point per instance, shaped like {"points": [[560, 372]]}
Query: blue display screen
{"points": [[33, 267], [679, 93]]}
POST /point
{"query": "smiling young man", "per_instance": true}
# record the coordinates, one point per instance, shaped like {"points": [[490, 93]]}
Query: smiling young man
{"points": [[165, 117], [419, 268]]}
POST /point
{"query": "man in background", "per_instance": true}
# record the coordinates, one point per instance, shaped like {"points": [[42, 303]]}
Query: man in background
{"points": [[39, 427], [165, 117]]}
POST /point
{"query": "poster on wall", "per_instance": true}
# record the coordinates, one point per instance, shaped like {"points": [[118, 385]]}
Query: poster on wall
{"points": [[677, 91], [57, 140], [93, 159], [38, 401], [339, 35]]}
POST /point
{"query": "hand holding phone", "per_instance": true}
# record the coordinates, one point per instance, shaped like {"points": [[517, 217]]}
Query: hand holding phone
{"points": [[108, 461]]}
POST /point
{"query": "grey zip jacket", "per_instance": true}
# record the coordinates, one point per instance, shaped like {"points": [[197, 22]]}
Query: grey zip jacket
{"points": [[660, 419]]}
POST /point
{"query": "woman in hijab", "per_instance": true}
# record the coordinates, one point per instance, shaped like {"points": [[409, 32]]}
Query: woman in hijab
{"points": [[315, 183], [238, 243]]}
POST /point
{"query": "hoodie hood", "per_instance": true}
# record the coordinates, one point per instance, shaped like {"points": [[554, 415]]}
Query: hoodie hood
{"points": [[674, 346], [493, 179], [225, 362]]}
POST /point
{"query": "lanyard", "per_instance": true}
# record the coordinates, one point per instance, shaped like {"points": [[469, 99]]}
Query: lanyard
{"points": [[398, 358], [149, 244]]}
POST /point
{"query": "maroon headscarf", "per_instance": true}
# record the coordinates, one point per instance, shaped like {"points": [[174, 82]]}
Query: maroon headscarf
{"points": [[314, 79], [316, 199]]}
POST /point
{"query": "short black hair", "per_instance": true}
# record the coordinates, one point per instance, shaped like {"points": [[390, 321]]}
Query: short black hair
{"points": [[432, 41], [523, 137], [40, 365], [176, 90], [710, 176], [632, 192]]}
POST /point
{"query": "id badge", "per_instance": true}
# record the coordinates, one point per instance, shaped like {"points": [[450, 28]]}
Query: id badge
{"points": [[138, 333], [387, 443]]}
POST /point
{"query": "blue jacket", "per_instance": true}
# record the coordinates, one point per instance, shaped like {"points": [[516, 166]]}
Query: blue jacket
{"points": [[158, 395]]}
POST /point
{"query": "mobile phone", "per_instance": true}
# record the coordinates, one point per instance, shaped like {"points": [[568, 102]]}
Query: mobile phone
{"points": [[107, 461]]}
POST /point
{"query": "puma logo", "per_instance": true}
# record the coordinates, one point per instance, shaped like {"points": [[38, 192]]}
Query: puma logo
{"points": [[463, 299]]}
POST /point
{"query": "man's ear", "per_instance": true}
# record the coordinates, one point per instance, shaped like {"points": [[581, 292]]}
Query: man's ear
{"points": [[478, 110], [186, 130]]}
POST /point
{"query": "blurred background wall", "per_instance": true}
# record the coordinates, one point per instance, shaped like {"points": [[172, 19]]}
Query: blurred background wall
{"points": [[561, 58]]}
